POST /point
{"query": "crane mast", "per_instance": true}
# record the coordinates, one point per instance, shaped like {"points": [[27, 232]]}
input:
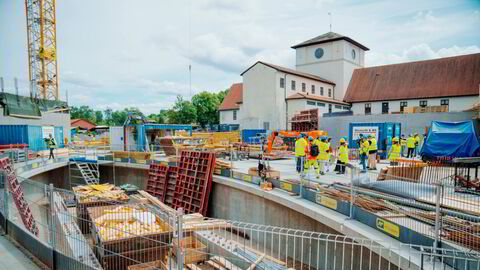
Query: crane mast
{"points": [[42, 48]]}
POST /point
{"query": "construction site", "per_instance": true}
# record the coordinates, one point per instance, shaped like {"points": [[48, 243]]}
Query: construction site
{"points": [[320, 186]]}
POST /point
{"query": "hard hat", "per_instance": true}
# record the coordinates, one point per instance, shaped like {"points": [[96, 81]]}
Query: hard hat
{"points": [[310, 138], [342, 140]]}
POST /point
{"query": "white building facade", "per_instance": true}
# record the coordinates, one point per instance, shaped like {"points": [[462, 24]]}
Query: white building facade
{"points": [[273, 94]]}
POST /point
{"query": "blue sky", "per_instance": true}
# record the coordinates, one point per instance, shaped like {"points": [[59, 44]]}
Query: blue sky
{"points": [[118, 53]]}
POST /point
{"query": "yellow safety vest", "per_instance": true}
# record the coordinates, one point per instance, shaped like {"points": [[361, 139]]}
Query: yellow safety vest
{"points": [[395, 153], [364, 147], [411, 142], [323, 147], [403, 142], [300, 146], [343, 154], [373, 146], [51, 143], [417, 139]]}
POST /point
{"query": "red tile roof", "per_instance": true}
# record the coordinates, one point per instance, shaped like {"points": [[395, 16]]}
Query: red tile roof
{"points": [[325, 99], [444, 77], [83, 123], [290, 71], [233, 99]]}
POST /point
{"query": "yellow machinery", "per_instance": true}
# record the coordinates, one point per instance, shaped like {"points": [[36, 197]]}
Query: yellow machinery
{"points": [[42, 48]]}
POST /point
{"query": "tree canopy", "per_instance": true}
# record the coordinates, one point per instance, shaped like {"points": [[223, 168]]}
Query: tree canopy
{"points": [[202, 110]]}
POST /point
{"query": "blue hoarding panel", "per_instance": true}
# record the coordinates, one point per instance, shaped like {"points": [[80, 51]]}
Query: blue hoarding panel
{"points": [[35, 138], [249, 134], [13, 134], [59, 137]]}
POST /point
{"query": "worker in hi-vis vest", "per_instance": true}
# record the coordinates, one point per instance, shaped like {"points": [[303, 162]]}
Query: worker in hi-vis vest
{"points": [[403, 144], [342, 156], [300, 151], [322, 157], [394, 152], [411, 146], [313, 151], [51, 144], [372, 153]]}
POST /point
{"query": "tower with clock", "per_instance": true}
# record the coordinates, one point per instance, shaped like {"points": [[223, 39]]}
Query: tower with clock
{"points": [[331, 56]]}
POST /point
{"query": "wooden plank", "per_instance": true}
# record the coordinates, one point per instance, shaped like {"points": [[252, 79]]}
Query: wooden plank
{"points": [[215, 265], [256, 262], [193, 267], [156, 201], [225, 263]]}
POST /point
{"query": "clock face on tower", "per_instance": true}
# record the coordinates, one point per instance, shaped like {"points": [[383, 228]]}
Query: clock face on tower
{"points": [[319, 53]]}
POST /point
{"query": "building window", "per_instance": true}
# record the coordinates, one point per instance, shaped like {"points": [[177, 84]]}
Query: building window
{"points": [[368, 108], [235, 115], [346, 108], [282, 82], [313, 89], [311, 103], [444, 102], [338, 107], [293, 85], [403, 104], [304, 87], [329, 108], [423, 103], [321, 91], [385, 107], [329, 92], [320, 104]]}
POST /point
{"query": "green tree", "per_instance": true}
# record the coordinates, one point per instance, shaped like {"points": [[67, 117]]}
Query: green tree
{"points": [[183, 112], [206, 105], [108, 116], [82, 112], [162, 116], [221, 95], [98, 117]]}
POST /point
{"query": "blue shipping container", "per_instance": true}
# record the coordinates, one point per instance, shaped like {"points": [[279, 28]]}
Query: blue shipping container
{"points": [[248, 134], [13, 134], [31, 135], [385, 133]]}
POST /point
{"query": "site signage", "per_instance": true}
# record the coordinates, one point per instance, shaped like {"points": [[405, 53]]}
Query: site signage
{"points": [[388, 227], [356, 131]]}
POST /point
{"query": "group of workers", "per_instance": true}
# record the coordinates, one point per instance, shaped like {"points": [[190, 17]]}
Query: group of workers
{"points": [[316, 153]]}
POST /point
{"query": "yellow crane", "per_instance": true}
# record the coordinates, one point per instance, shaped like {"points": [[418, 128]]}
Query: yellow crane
{"points": [[42, 48]]}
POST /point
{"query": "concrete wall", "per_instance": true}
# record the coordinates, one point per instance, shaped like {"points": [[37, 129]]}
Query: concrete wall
{"points": [[456, 104], [124, 175], [47, 119], [338, 126], [58, 177], [226, 117]]}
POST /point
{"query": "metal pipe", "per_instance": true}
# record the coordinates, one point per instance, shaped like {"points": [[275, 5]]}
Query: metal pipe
{"points": [[415, 204]]}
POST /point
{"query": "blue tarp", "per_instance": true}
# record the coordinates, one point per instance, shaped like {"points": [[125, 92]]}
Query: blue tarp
{"points": [[451, 139]]}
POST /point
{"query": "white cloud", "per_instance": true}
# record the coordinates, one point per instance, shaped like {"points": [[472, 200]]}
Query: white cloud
{"points": [[146, 108], [417, 52], [79, 79]]}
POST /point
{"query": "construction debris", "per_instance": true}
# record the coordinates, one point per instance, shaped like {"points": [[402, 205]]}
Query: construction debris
{"points": [[93, 193]]}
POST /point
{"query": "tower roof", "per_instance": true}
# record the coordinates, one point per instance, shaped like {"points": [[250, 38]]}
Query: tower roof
{"points": [[328, 37]]}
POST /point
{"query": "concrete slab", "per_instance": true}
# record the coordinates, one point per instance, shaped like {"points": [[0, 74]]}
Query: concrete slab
{"points": [[12, 258]]}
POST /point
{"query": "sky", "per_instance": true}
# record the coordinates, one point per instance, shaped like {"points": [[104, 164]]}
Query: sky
{"points": [[121, 53]]}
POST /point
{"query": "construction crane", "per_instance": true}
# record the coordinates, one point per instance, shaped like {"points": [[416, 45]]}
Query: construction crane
{"points": [[42, 48]]}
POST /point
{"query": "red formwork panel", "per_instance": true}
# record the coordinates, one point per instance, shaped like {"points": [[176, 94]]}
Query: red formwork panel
{"points": [[194, 179], [18, 196], [157, 181], [171, 184]]}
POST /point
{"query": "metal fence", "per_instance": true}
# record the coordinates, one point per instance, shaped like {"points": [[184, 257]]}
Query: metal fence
{"points": [[70, 240]]}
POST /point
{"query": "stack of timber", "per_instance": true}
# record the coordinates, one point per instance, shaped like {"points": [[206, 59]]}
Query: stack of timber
{"points": [[305, 121], [128, 235], [220, 164], [134, 155], [95, 195], [427, 109], [215, 137]]}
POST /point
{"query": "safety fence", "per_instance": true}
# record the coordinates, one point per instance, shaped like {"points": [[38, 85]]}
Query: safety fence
{"points": [[435, 204], [137, 235]]}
